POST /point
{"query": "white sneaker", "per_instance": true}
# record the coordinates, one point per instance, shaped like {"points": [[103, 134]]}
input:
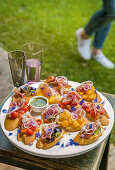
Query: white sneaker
{"points": [[83, 45], [100, 58]]}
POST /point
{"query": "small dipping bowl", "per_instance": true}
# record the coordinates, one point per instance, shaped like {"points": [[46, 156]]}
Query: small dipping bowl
{"points": [[38, 103]]}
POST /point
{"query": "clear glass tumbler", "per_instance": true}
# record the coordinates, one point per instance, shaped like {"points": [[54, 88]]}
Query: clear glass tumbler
{"points": [[33, 61], [17, 67]]}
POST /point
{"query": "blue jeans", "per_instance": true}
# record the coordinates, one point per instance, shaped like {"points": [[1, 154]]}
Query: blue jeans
{"points": [[101, 22]]}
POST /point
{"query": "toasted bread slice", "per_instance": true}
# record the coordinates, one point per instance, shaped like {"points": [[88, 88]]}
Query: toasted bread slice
{"points": [[27, 139], [45, 145], [91, 139], [44, 113], [102, 118], [11, 124]]}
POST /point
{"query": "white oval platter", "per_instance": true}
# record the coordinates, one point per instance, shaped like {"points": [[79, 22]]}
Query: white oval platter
{"points": [[58, 151]]}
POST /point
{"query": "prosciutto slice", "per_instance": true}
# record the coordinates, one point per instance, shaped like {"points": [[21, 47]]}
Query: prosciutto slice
{"points": [[16, 105], [85, 86], [72, 98], [47, 130]]}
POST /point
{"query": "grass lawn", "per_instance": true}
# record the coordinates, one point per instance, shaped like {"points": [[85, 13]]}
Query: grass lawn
{"points": [[53, 24]]}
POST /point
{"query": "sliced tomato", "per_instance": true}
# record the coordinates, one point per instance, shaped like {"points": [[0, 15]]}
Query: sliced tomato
{"points": [[66, 102], [102, 111], [61, 105], [50, 79], [30, 132], [88, 109], [26, 108], [26, 102], [15, 115], [39, 121], [45, 121], [33, 128], [79, 116], [84, 106], [21, 112], [24, 131], [82, 89], [93, 114]]}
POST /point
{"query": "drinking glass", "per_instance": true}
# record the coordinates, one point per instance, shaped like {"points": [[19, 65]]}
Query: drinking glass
{"points": [[17, 66], [33, 61]]}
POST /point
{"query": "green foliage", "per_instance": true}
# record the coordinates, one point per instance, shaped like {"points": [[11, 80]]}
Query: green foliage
{"points": [[53, 23]]}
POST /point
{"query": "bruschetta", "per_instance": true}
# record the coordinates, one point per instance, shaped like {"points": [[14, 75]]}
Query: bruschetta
{"points": [[70, 121], [59, 83], [71, 99], [95, 111], [49, 114], [50, 135], [89, 133], [16, 110], [28, 128], [88, 91]]}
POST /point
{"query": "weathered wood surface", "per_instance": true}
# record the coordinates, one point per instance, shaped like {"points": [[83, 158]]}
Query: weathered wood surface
{"points": [[9, 154]]}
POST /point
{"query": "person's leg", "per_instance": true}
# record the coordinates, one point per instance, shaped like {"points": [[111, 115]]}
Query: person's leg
{"points": [[101, 18], [100, 37], [98, 42]]}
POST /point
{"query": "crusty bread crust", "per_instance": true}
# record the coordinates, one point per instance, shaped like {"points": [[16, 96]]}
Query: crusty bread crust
{"points": [[45, 145], [27, 98], [91, 118], [91, 139], [102, 118], [11, 124], [65, 89], [27, 139], [98, 98]]}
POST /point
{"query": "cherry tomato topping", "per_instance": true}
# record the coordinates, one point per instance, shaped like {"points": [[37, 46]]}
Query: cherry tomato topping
{"points": [[14, 115], [66, 102], [88, 110], [24, 131], [45, 120], [79, 116], [102, 111], [84, 106], [26, 108], [93, 114], [39, 121], [50, 79], [26, 102], [61, 105], [30, 132], [33, 128]]}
